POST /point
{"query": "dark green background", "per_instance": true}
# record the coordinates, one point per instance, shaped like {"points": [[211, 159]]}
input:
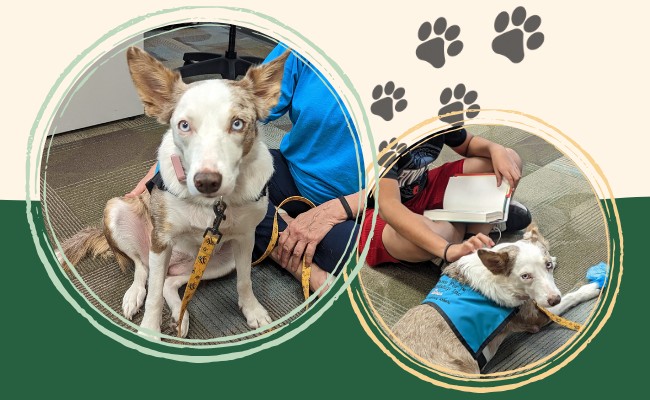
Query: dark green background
{"points": [[50, 349]]}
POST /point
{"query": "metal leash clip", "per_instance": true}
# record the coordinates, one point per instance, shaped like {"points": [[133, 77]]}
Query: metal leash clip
{"points": [[220, 215]]}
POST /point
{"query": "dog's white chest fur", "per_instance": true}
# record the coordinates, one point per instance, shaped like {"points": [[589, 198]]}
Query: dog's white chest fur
{"points": [[189, 221]]}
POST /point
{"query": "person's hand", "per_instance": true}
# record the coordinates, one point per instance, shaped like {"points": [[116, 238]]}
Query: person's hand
{"points": [[303, 234], [505, 167], [141, 186], [476, 242]]}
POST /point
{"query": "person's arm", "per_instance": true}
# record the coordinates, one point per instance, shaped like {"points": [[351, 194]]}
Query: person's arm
{"points": [[303, 234], [140, 187], [414, 228], [503, 163]]}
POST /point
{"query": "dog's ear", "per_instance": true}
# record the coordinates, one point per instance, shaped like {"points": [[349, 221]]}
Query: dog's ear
{"points": [[265, 81], [159, 87], [532, 234], [499, 262]]}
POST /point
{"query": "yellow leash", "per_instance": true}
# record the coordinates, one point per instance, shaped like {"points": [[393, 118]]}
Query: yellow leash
{"points": [[306, 269], [559, 320], [211, 238]]}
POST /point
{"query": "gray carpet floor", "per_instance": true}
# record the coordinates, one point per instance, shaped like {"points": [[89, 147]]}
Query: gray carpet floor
{"points": [[568, 213], [84, 169]]}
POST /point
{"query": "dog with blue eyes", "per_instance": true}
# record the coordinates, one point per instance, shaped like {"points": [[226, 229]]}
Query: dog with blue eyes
{"points": [[481, 299], [211, 156]]}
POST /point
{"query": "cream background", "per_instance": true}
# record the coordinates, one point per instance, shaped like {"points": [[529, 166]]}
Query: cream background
{"points": [[588, 80]]}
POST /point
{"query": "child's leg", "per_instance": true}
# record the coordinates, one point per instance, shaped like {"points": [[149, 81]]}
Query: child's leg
{"points": [[402, 249], [387, 246]]}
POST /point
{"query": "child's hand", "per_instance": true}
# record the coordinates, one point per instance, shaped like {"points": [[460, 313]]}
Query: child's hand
{"points": [[458, 250], [505, 166]]}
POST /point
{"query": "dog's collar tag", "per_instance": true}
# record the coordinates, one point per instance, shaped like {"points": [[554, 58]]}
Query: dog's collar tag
{"points": [[178, 168]]}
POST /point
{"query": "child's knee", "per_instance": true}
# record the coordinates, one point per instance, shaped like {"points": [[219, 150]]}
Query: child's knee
{"points": [[475, 165]]}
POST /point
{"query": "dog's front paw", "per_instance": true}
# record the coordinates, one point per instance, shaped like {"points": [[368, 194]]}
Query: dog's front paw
{"points": [[133, 300], [256, 315], [185, 325], [588, 292], [150, 330]]}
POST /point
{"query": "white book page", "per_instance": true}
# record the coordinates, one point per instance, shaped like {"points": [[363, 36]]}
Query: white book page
{"points": [[475, 193]]}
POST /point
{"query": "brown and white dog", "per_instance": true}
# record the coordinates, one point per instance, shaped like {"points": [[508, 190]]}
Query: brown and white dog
{"points": [[213, 132], [511, 275]]}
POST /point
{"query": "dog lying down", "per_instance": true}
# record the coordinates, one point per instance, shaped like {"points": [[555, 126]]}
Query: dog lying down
{"points": [[213, 133], [486, 296]]}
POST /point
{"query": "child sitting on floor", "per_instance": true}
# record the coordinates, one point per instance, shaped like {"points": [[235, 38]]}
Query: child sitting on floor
{"points": [[403, 234]]}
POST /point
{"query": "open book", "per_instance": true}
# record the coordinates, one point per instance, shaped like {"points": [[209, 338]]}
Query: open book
{"points": [[473, 198]]}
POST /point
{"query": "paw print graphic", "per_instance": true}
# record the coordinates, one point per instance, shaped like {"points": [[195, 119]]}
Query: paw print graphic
{"points": [[392, 100], [511, 43], [433, 50], [463, 101], [392, 149]]}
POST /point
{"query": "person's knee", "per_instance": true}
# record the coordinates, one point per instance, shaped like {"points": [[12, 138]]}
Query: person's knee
{"points": [[476, 165], [450, 231], [335, 248]]}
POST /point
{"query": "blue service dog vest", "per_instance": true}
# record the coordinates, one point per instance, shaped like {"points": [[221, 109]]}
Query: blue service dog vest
{"points": [[474, 318]]}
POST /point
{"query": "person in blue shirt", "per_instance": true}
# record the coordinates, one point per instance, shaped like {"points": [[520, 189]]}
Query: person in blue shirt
{"points": [[320, 159]]}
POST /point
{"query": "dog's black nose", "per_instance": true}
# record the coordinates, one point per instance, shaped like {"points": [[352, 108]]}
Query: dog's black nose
{"points": [[554, 300], [207, 182]]}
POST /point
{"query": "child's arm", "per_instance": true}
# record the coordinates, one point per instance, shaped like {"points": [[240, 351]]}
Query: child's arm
{"points": [[503, 161], [416, 229]]}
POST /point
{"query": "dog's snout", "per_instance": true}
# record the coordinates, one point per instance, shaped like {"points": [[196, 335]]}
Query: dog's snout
{"points": [[554, 300], [207, 182]]}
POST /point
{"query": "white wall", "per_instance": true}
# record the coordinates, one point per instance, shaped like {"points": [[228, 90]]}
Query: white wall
{"points": [[107, 95]]}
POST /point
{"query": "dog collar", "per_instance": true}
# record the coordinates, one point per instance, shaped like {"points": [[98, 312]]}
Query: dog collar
{"points": [[158, 182], [157, 179], [473, 318]]}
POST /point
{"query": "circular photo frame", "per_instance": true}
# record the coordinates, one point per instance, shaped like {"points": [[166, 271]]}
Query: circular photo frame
{"points": [[573, 207], [78, 286]]}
